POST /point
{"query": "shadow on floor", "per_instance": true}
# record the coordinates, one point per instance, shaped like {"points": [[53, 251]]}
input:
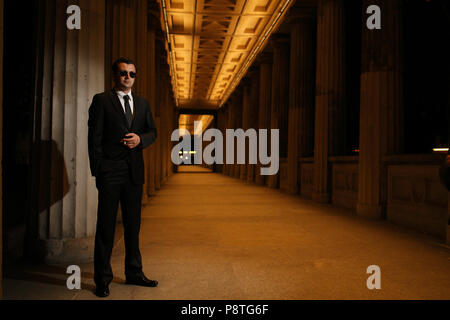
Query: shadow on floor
{"points": [[48, 274]]}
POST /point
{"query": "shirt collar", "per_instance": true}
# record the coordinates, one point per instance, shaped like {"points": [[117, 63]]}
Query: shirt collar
{"points": [[121, 94]]}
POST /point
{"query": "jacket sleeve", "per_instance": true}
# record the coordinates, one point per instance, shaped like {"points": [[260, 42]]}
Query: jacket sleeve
{"points": [[95, 134], [149, 133]]}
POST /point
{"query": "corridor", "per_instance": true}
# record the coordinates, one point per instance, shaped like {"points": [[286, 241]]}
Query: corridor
{"points": [[209, 236], [353, 93]]}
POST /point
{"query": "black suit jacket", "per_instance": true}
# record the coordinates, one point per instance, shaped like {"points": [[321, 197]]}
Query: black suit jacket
{"points": [[108, 126]]}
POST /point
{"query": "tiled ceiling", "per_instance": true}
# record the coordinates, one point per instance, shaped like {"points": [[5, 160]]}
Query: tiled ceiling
{"points": [[212, 43]]}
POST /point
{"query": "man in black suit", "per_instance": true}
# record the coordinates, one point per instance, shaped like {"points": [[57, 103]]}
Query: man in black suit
{"points": [[120, 127]]}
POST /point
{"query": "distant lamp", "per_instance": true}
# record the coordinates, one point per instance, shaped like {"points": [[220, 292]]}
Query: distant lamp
{"points": [[440, 150]]}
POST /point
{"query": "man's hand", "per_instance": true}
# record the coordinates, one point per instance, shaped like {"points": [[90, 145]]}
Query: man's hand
{"points": [[132, 140]]}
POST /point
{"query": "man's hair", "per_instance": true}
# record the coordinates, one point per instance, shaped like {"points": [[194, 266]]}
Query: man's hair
{"points": [[115, 66]]}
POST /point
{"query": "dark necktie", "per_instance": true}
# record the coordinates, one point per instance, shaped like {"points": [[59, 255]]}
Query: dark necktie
{"points": [[128, 113]]}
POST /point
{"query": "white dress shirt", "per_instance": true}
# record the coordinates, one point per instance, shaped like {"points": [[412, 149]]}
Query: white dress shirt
{"points": [[121, 94]]}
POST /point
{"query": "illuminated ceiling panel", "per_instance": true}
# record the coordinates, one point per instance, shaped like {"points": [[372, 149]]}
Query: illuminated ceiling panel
{"points": [[213, 42]]}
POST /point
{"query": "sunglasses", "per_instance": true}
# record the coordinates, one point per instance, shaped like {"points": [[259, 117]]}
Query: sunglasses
{"points": [[124, 74]]}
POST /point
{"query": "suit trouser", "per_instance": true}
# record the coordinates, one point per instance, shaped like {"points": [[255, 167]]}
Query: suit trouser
{"points": [[112, 188]]}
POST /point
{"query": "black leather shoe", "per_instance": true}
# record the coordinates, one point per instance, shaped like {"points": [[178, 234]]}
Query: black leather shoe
{"points": [[102, 290], [141, 281]]}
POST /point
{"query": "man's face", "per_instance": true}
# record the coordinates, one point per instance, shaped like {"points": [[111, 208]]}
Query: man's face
{"points": [[124, 82]]}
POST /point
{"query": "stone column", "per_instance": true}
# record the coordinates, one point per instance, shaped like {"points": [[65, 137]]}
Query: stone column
{"points": [[301, 91], [245, 123], [329, 128], [160, 60], [448, 216], [163, 136], [265, 101], [171, 127], [237, 117], [252, 121], [381, 106], [142, 85], [280, 96], [230, 125], [153, 25], [74, 64], [126, 37], [221, 125], [1, 152], [224, 116]]}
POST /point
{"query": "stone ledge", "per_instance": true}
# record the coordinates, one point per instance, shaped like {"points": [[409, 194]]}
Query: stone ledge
{"points": [[412, 159], [350, 159], [59, 251]]}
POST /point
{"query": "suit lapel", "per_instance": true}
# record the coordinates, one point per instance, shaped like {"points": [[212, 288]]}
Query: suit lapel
{"points": [[137, 108], [118, 106]]}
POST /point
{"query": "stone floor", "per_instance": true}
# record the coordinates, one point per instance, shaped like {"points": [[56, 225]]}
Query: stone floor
{"points": [[209, 236]]}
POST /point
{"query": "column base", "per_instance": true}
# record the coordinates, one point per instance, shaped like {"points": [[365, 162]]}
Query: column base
{"points": [[260, 180], [272, 181], [59, 251], [369, 211], [236, 172], [251, 173], [321, 197], [293, 190], [243, 172]]}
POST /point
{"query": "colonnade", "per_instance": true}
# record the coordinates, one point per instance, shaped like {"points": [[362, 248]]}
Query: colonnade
{"points": [[302, 78], [299, 84], [75, 69]]}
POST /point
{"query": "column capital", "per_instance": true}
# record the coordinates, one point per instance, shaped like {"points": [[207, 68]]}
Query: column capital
{"points": [[153, 22], [245, 81], [264, 57], [301, 14], [153, 15], [237, 92], [231, 97], [153, 7], [161, 53], [159, 35], [278, 40], [252, 71]]}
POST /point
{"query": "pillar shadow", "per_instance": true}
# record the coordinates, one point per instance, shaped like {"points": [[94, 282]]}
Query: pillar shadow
{"points": [[53, 185]]}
